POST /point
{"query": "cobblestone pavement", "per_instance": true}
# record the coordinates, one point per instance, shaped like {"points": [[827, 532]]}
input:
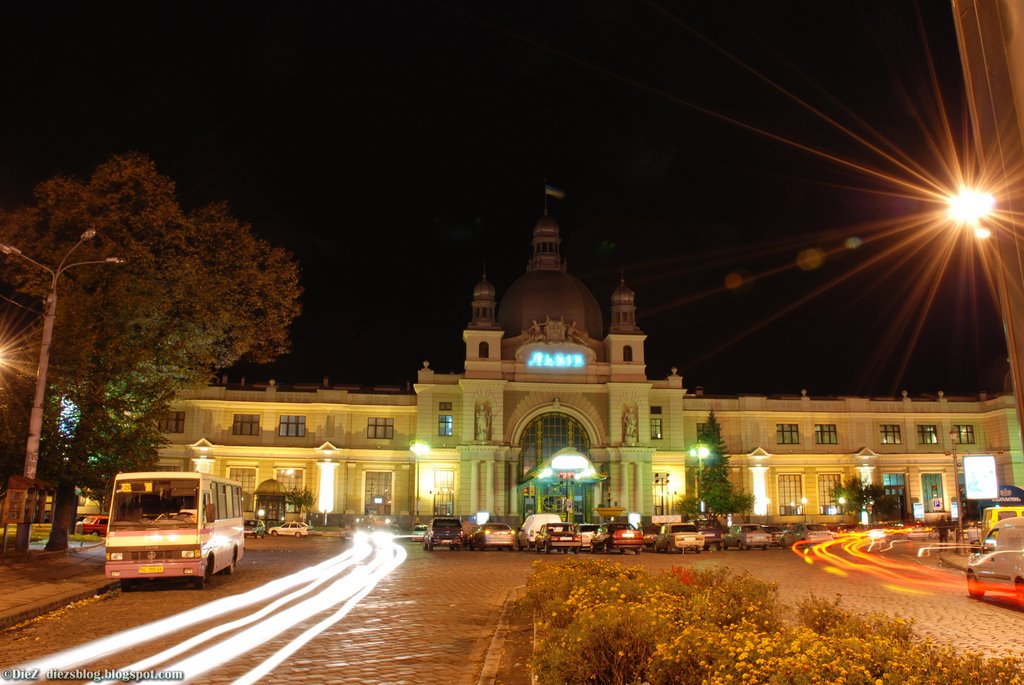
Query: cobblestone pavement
{"points": [[435, 619]]}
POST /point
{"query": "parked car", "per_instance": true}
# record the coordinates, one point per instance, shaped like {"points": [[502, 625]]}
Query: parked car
{"points": [[418, 531], [618, 536], [713, 531], [95, 525], [493, 536], [533, 522], [650, 530], [679, 537], [586, 531], [255, 528], [747, 536], [999, 566], [809, 532], [776, 534], [293, 528], [444, 531], [559, 536]]}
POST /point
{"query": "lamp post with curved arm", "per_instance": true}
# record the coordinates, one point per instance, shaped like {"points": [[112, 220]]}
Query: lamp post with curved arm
{"points": [[35, 423]]}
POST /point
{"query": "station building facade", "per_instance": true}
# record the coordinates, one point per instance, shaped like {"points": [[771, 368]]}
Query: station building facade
{"points": [[554, 412]]}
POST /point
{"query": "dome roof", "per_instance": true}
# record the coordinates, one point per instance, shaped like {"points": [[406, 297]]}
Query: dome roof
{"points": [[623, 295], [542, 294], [483, 290]]}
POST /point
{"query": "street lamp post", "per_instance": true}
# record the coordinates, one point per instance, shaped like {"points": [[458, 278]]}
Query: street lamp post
{"points": [[803, 507], [955, 499], [35, 423], [701, 452]]}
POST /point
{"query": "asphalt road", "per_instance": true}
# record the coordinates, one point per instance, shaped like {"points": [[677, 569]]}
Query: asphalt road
{"points": [[432, 619]]}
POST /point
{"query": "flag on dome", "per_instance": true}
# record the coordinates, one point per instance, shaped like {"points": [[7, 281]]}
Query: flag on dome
{"points": [[554, 192]]}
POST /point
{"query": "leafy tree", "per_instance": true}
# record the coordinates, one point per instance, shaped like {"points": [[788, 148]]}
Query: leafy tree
{"points": [[198, 293], [721, 496], [870, 497], [302, 500]]}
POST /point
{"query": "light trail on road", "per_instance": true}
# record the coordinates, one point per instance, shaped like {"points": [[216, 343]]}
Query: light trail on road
{"points": [[355, 573]]}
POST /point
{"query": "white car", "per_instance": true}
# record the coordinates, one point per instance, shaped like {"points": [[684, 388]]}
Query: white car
{"points": [[299, 530], [999, 566], [809, 532]]}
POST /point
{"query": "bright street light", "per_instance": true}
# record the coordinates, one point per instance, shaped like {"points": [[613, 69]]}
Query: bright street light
{"points": [[701, 452], [35, 423], [970, 207]]}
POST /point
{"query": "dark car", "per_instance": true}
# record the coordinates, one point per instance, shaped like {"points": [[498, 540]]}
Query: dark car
{"points": [[619, 537], [714, 533], [95, 525], [255, 528], [650, 530], [444, 532], [559, 536]]}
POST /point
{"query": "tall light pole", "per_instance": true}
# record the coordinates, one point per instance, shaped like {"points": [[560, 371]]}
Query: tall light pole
{"points": [[701, 452], [35, 423], [955, 499]]}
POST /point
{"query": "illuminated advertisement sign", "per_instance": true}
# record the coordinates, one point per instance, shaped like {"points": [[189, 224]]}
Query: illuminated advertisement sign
{"points": [[556, 359], [980, 477]]}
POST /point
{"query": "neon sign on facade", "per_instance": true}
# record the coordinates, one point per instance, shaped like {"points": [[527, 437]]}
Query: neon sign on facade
{"points": [[557, 359]]}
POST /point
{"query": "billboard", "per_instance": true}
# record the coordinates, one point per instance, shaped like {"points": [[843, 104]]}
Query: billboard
{"points": [[980, 477]]}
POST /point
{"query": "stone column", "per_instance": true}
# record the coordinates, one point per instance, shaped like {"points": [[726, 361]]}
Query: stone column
{"points": [[759, 476]]}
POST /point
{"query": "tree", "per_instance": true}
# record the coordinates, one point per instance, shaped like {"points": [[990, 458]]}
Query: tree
{"points": [[720, 495], [198, 293], [302, 500], [870, 497]]}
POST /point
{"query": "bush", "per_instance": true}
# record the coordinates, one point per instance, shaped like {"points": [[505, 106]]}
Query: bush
{"points": [[603, 623]]}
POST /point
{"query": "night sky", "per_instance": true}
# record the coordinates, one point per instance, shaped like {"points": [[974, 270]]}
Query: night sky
{"points": [[399, 148]]}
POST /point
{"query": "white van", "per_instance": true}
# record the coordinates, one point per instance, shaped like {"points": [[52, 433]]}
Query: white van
{"points": [[528, 531], [999, 566]]}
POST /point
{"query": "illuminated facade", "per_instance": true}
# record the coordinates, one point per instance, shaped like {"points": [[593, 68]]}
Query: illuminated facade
{"points": [[555, 412]]}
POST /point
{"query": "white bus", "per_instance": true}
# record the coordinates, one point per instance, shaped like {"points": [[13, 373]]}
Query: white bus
{"points": [[173, 524]]}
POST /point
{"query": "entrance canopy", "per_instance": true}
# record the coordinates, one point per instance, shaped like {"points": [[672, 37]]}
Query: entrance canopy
{"points": [[567, 463]]}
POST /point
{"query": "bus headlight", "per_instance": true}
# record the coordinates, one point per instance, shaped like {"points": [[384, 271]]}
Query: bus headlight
{"points": [[115, 556], [190, 554]]}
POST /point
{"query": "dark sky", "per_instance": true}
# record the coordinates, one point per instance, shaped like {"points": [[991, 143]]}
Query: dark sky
{"points": [[397, 147]]}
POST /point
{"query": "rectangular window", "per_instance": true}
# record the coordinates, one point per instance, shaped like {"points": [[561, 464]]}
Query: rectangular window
{"points": [[825, 434], [927, 435], [700, 429], [891, 434], [247, 477], [655, 429], [380, 428], [444, 425], [378, 493], [173, 422], [827, 484], [444, 493], [292, 427], [931, 487], [787, 434], [964, 433], [790, 493], [291, 481], [656, 411], [662, 494], [246, 424], [444, 406]]}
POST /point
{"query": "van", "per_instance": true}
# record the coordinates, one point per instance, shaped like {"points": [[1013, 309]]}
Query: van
{"points": [[999, 566], [528, 531], [990, 516]]}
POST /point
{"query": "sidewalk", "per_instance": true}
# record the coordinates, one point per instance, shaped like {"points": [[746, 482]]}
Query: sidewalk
{"points": [[39, 582]]}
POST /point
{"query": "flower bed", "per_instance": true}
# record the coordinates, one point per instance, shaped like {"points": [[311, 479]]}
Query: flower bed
{"points": [[600, 622]]}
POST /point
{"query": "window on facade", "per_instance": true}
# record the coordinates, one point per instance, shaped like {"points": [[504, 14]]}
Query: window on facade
{"points": [[444, 493], [444, 424], [662, 494], [378, 493], [173, 422], [484, 350], [656, 410], [790, 493], [787, 434], [931, 487], [380, 428], [700, 430], [627, 353], [927, 435], [292, 427], [291, 481], [246, 424], [895, 487], [247, 478], [827, 484], [549, 433], [444, 406], [825, 434], [891, 434], [655, 429], [964, 433]]}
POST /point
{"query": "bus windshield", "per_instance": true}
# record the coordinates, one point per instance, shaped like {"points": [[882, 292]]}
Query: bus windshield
{"points": [[154, 503]]}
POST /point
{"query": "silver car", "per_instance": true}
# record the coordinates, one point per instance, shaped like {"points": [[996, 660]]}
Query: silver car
{"points": [[747, 536], [679, 537]]}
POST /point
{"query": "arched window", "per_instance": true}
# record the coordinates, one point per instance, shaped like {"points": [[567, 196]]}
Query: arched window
{"points": [[627, 353], [484, 351], [549, 433]]}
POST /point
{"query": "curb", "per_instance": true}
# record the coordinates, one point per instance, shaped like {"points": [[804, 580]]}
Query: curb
{"points": [[55, 603], [492, 660]]}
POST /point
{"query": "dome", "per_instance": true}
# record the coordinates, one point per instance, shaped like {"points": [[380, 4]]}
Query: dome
{"points": [[623, 295], [542, 294], [483, 290]]}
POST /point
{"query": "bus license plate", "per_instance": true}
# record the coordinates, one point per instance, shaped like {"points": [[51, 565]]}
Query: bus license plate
{"points": [[151, 569]]}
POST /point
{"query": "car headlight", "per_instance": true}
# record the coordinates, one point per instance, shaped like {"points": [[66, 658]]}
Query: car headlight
{"points": [[115, 556]]}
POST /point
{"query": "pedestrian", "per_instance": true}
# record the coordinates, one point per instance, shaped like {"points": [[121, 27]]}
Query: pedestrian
{"points": [[944, 530]]}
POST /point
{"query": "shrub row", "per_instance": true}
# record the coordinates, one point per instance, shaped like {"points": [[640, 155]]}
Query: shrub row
{"points": [[605, 623]]}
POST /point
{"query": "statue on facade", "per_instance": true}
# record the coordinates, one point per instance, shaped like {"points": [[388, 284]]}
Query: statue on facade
{"points": [[629, 425], [483, 422]]}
